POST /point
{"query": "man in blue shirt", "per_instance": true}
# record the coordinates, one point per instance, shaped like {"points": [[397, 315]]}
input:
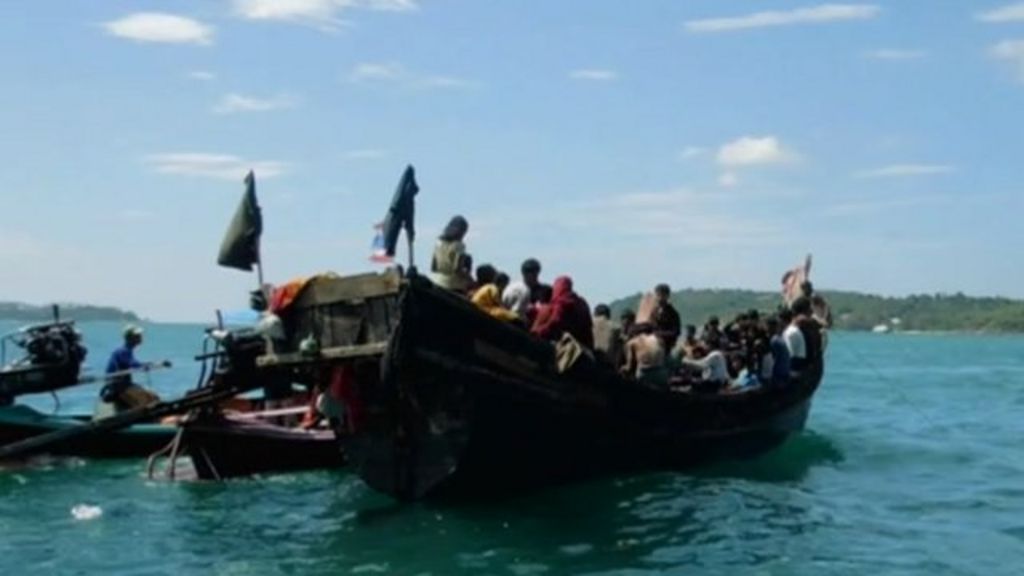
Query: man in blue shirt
{"points": [[120, 390]]}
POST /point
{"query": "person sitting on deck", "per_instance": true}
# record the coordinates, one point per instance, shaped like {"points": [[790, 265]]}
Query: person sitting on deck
{"points": [[645, 354], [525, 297], [794, 340], [712, 333], [689, 346], [120, 391], [501, 281], [645, 357], [450, 265], [666, 318], [775, 365], [488, 299], [713, 366], [485, 274], [607, 336], [566, 313], [627, 320]]}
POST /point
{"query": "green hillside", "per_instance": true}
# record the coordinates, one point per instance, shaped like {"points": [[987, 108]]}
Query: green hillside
{"points": [[18, 312], [855, 311]]}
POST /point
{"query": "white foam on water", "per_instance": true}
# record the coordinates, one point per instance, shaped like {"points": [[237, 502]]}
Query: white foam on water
{"points": [[86, 512]]}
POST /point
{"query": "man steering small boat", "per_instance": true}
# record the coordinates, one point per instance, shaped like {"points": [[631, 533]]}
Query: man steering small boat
{"points": [[120, 392]]}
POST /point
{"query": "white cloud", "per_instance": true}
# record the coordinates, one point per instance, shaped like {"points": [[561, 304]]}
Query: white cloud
{"points": [[754, 150], [896, 55], [900, 170], [234, 103], [202, 75], [366, 154], [681, 217], [594, 74], [322, 14], [1003, 14], [219, 166], [371, 71], [1011, 51], [440, 81], [160, 27], [16, 245], [811, 15], [691, 152], [393, 72], [728, 180]]}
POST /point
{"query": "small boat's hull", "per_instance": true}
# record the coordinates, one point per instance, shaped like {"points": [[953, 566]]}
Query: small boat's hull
{"points": [[21, 422], [222, 448]]}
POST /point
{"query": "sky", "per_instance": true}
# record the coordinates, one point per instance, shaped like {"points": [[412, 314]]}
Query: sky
{"points": [[700, 143]]}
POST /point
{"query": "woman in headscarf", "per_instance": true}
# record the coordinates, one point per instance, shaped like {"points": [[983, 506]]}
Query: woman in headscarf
{"points": [[566, 313], [451, 266]]}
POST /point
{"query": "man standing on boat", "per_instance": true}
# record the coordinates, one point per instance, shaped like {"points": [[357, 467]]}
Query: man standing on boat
{"points": [[667, 323], [120, 391]]}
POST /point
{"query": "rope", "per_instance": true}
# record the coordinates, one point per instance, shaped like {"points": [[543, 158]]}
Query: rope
{"points": [[209, 463], [151, 461], [56, 401], [890, 384]]}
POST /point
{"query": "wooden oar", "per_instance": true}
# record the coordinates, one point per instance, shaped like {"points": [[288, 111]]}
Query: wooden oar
{"points": [[195, 399]]}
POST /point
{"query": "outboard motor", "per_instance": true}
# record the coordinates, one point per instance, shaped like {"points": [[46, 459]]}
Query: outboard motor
{"points": [[52, 359]]}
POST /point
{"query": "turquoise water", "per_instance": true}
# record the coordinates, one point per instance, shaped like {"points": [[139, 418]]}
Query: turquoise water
{"points": [[911, 465]]}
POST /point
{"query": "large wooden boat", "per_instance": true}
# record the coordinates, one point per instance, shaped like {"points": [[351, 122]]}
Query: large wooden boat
{"points": [[453, 401]]}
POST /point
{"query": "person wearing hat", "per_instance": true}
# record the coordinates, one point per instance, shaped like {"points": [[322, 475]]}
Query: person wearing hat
{"points": [[120, 391]]}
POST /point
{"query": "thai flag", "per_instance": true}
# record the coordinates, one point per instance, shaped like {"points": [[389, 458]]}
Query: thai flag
{"points": [[380, 253]]}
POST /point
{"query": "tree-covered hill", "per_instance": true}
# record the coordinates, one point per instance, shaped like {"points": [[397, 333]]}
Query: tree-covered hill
{"points": [[855, 311], [16, 311]]}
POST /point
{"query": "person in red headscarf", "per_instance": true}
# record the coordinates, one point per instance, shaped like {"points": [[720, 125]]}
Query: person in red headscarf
{"points": [[567, 312]]}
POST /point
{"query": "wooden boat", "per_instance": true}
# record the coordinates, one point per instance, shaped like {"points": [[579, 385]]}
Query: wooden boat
{"points": [[52, 359], [225, 446], [456, 402], [20, 422]]}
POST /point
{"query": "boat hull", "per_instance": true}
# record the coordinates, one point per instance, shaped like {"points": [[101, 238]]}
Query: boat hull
{"points": [[21, 422], [478, 408], [448, 401], [222, 447]]}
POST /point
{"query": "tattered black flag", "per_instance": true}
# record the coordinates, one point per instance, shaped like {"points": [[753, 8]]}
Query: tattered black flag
{"points": [[401, 213], [241, 245]]}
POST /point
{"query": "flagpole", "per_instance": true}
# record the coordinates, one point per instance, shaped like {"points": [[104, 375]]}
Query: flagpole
{"points": [[412, 262]]}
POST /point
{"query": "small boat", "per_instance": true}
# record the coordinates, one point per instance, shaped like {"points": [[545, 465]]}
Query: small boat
{"points": [[455, 402], [52, 356], [20, 422], [229, 446]]}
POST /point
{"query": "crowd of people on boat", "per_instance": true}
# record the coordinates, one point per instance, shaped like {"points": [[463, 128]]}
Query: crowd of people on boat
{"points": [[650, 344]]}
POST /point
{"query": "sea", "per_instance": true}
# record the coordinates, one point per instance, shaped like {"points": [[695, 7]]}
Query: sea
{"points": [[912, 463]]}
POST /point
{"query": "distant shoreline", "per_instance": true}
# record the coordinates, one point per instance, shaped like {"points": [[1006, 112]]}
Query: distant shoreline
{"points": [[34, 314]]}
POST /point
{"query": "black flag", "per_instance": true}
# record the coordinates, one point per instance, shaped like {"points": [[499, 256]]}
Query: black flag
{"points": [[241, 245], [401, 212]]}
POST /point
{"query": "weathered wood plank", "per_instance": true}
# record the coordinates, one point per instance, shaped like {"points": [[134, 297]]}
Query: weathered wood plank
{"points": [[349, 289], [337, 353]]}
